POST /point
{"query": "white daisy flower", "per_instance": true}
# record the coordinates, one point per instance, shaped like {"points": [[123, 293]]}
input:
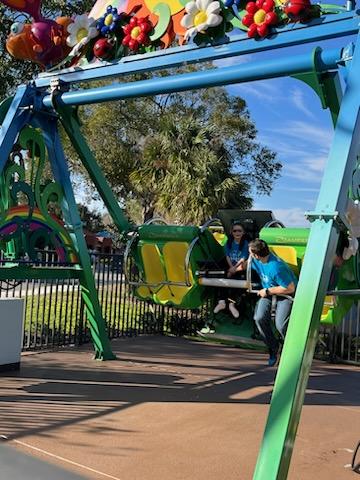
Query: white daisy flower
{"points": [[81, 32], [200, 15]]}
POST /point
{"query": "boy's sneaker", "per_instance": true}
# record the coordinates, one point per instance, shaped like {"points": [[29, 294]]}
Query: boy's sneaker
{"points": [[234, 311], [220, 306]]}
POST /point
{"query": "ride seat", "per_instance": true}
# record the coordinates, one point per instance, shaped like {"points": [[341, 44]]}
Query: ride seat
{"points": [[328, 305], [174, 256], [165, 267], [154, 271], [220, 237], [289, 255]]}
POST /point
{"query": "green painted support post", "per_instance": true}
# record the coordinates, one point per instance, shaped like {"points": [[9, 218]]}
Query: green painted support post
{"points": [[72, 128], [5, 202], [95, 319], [289, 390], [326, 85]]}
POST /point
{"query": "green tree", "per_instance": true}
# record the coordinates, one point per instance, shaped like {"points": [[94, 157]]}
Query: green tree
{"points": [[181, 156], [92, 221]]}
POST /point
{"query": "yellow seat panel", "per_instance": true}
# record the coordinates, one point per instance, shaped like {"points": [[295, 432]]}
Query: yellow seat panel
{"points": [[162, 267], [174, 254], [288, 254], [173, 294], [153, 269], [219, 237], [143, 292], [328, 304]]}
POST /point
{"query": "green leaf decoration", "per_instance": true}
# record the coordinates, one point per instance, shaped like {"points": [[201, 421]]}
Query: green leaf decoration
{"points": [[120, 50], [328, 8], [281, 14], [163, 12]]}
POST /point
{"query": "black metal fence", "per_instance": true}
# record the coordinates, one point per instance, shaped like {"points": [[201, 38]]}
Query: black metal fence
{"points": [[55, 313], [342, 344]]}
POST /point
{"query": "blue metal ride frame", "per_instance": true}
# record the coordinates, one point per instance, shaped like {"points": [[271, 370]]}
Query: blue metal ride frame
{"points": [[17, 116], [287, 399], [329, 27], [279, 67]]}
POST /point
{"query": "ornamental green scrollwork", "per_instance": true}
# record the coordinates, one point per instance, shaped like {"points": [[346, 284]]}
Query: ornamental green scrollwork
{"points": [[26, 196]]}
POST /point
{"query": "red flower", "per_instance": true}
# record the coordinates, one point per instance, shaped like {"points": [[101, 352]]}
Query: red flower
{"points": [[137, 33], [260, 17]]}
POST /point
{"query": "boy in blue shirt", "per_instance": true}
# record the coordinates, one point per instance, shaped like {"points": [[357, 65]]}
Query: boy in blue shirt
{"points": [[276, 279]]}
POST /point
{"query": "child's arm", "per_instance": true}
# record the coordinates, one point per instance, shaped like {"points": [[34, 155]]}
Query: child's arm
{"points": [[240, 265], [229, 262]]}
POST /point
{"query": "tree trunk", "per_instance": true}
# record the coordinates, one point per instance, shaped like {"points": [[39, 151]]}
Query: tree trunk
{"points": [[148, 212]]}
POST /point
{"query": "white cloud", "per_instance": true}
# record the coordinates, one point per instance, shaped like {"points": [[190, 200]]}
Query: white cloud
{"points": [[303, 148], [228, 62], [299, 189], [291, 217], [298, 99], [307, 169], [265, 90], [307, 133]]}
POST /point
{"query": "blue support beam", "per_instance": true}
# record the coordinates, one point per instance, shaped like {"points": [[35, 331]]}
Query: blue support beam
{"points": [[277, 67], [17, 116], [327, 27]]}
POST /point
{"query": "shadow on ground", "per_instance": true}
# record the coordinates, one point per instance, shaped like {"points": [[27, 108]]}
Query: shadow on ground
{"points": [[62, 388]]}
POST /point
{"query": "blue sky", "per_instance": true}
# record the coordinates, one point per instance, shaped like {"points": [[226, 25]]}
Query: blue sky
{"points": [[290, 120]]}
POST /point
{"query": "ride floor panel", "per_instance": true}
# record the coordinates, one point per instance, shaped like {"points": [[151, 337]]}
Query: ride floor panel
{"points": [[171, 408]]}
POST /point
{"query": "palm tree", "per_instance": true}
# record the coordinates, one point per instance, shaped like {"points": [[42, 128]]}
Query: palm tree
{"points": [[185, 173], [181, 156]]}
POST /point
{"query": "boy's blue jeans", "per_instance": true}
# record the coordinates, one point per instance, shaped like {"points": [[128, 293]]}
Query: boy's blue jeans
{"points": [[262, 317]]}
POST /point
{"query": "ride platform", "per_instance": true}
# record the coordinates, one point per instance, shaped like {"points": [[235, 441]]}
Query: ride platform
{"points": [[172, 408]]}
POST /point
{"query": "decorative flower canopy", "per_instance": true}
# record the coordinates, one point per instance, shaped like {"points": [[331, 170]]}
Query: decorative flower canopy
{"points": [[108, 23], [127, 26], [200, 15], [137, 33], [81, 32], [230, 3], [260, 17]]}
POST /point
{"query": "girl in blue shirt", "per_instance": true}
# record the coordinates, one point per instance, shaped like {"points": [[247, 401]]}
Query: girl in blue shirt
{"points": [[237, 252]]}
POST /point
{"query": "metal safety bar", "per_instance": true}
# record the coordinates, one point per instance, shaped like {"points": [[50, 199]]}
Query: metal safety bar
{"points": [[187, 260], [343, 293], [274, 223], [210, 222], [128, 247], [156, 220]]}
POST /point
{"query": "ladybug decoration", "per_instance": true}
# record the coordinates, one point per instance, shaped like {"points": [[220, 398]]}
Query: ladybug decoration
{"points": [[103, 48], [298, 10]]}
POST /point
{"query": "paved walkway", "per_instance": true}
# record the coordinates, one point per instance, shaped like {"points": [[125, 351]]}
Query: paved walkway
{"points": [[172, 409]]}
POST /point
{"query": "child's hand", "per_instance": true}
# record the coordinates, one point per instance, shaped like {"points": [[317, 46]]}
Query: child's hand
{"points": [[241, 266]]}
